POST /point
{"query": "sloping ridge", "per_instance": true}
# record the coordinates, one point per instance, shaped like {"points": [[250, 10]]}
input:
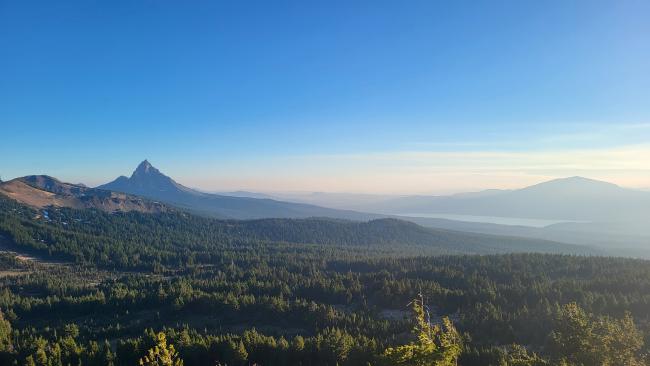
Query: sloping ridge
{"points": [[396, 233], [388, 235], [42, 191]]}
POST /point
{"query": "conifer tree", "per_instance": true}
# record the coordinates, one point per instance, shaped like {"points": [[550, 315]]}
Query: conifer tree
{"points": [[435, 346], [161, 354]]}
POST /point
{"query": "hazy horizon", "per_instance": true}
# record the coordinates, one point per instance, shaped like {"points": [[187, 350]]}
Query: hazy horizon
{"points": [[298, 192]]}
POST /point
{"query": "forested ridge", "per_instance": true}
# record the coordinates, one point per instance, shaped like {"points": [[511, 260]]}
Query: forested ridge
{"points": [[305, 292], [135, 240]]}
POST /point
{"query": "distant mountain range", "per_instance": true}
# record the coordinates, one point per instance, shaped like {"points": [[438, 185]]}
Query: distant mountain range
{"points": [[597, 213], [147, 181], [567, 199], [594, 213]]}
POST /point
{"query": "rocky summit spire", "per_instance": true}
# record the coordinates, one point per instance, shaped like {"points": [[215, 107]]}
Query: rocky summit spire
{"points": [[146, 181], [144, 168]]}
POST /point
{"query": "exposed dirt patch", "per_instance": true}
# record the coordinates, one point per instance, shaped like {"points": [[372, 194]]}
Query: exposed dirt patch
{"points": [[43, 191], [29, 195]]}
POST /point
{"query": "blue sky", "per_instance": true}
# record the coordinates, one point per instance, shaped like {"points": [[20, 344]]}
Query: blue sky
{"points": [[399, 96]]}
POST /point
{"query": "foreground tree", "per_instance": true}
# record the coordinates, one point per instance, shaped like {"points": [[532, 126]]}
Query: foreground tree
{"points": [[435, 346], [584, 339], [162, 354]]}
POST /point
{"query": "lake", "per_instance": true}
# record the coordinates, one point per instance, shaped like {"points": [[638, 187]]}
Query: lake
{"points": [[513, 221]]}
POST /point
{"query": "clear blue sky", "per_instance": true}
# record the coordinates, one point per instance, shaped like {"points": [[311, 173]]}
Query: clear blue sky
{"points": [[222, 94]]}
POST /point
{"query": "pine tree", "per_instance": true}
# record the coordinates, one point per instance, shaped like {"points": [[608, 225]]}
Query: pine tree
{"points": [[29, 361], [161, 354], [241, 355], [435, 346]]}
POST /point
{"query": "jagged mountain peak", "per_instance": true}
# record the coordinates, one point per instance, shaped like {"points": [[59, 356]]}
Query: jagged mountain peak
{"points": [[147, 181], [145, 168]]}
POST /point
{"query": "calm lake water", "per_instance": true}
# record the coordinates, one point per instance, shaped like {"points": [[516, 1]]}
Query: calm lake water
{"points": [[516, 221]]}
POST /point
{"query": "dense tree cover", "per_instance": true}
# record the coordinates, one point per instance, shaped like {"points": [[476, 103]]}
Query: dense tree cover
{"points": [[141, 241], [221, 294]]}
